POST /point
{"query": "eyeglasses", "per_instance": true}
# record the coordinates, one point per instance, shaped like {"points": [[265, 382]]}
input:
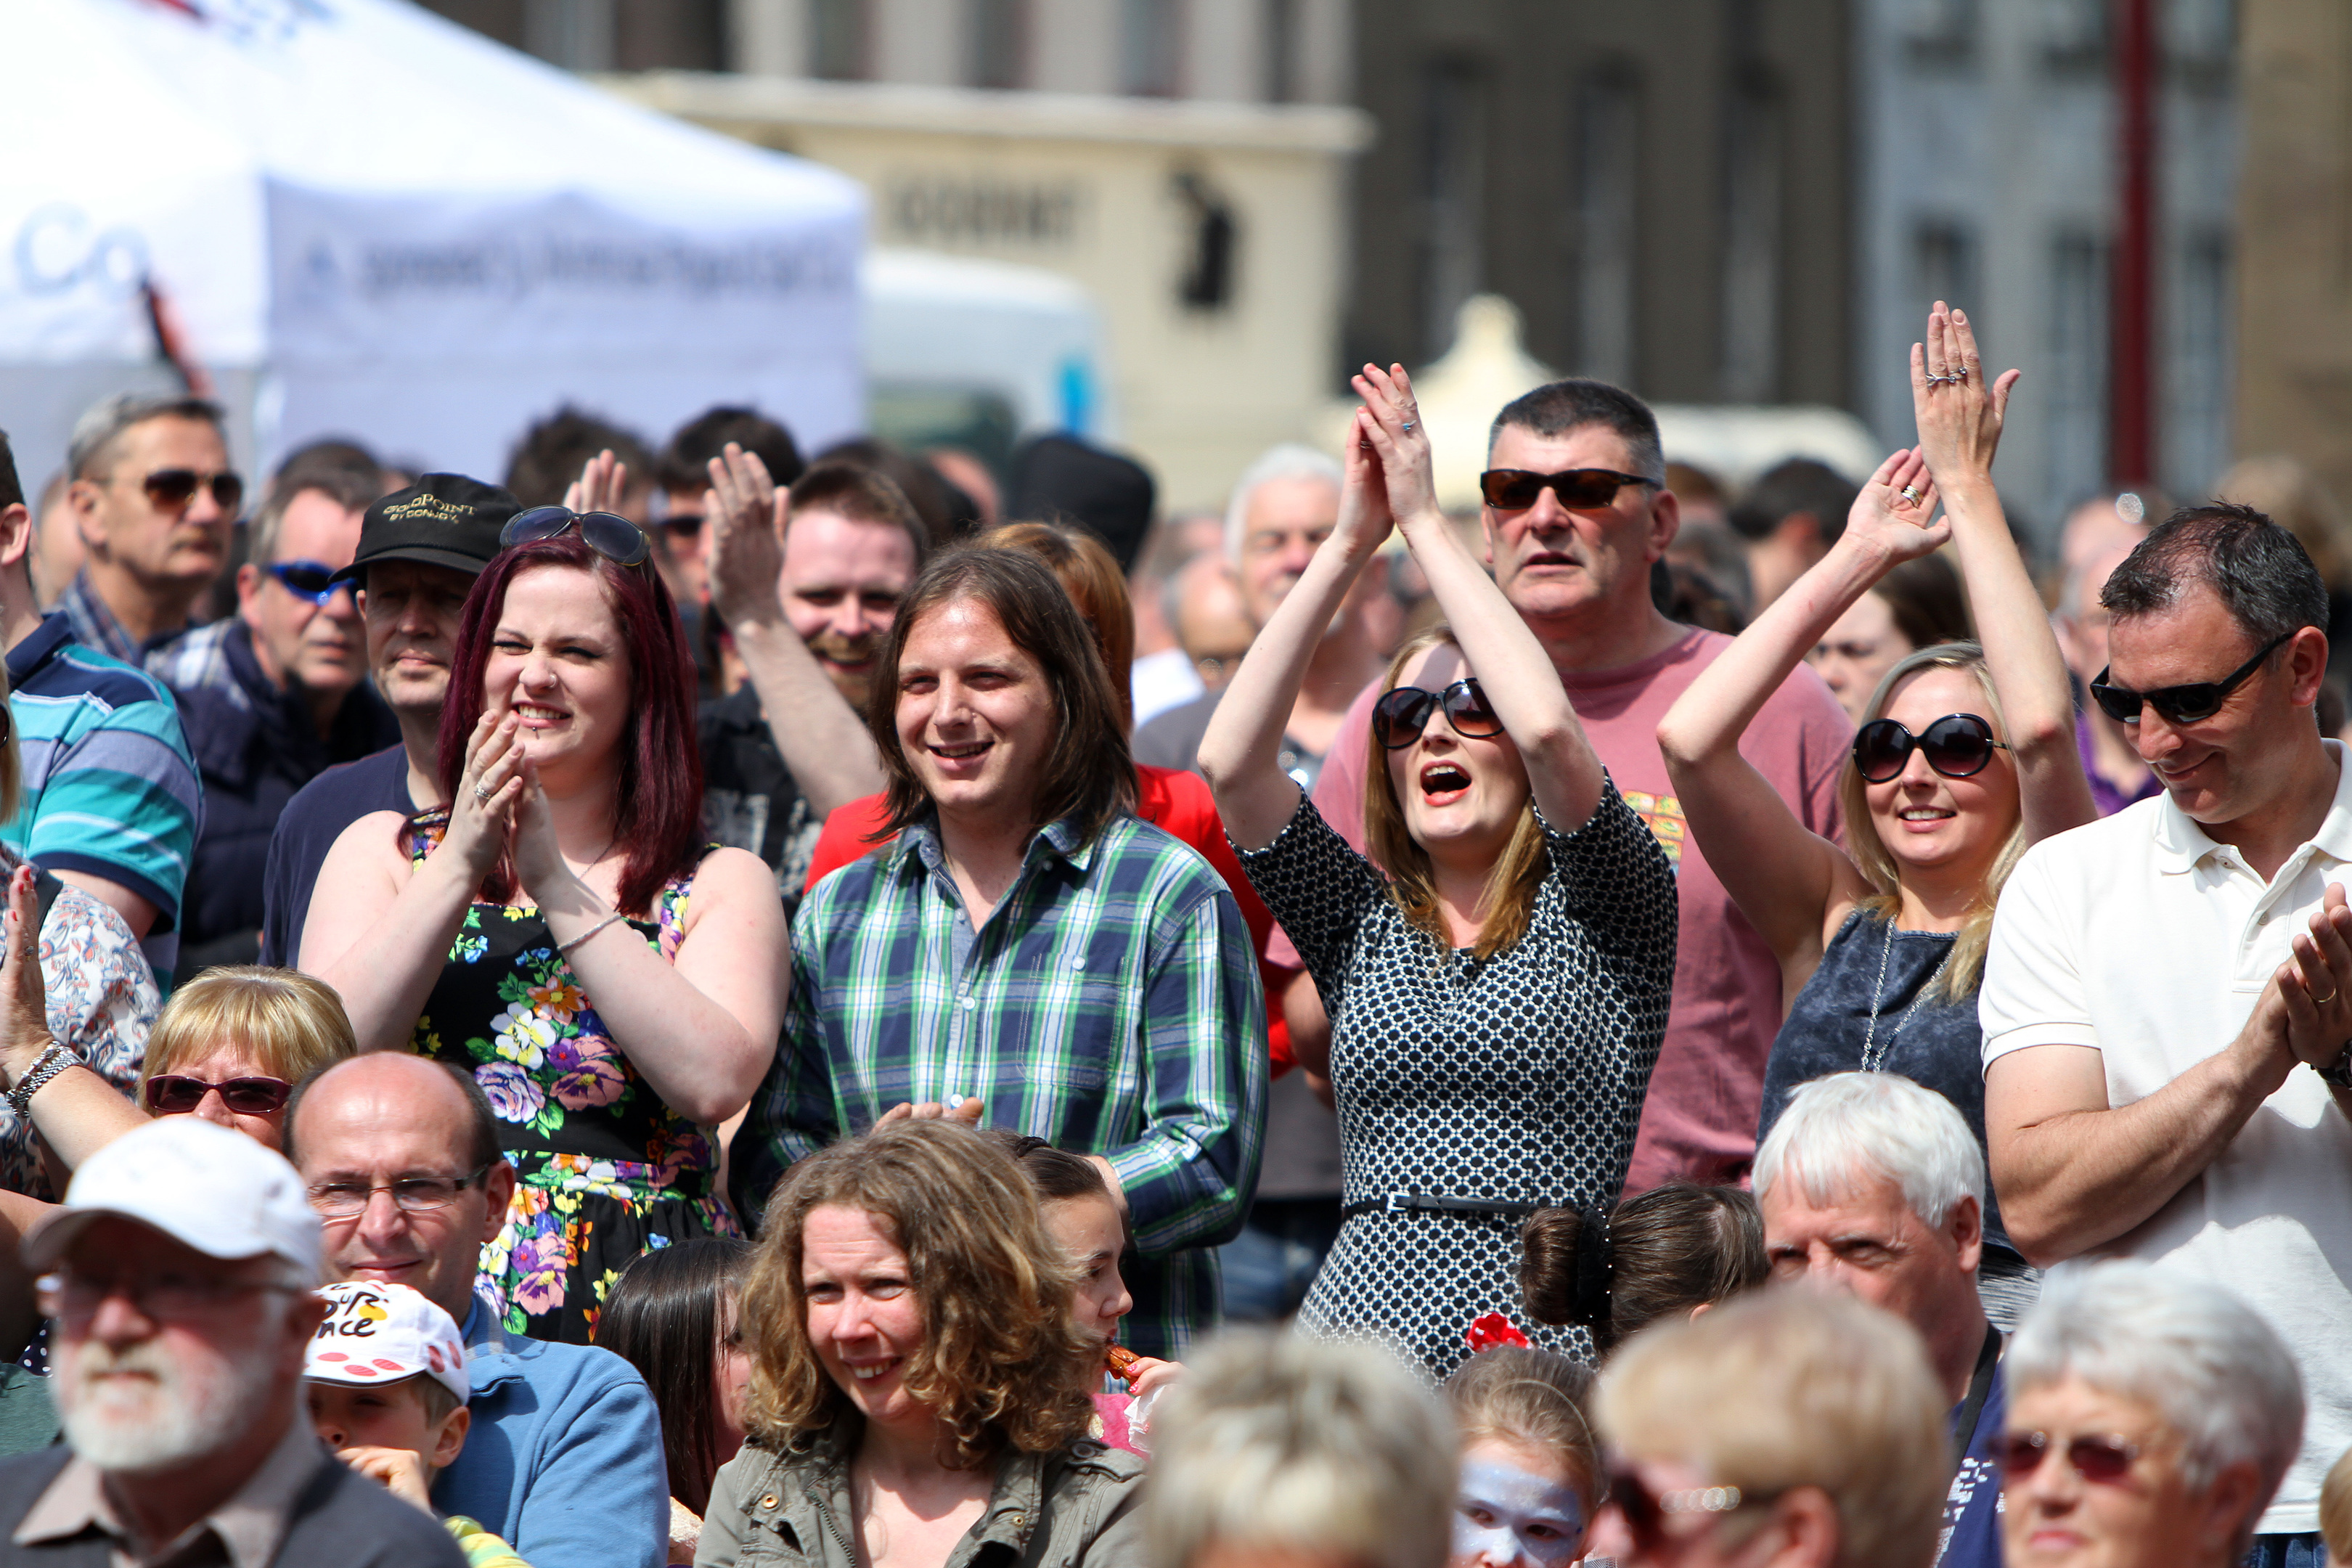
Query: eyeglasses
{"points": [[1957, 745], [414, 1195], [163, 1297], [1647, 1512], [310, 580], [2105, 1460], [2179, 704], [608, 533], [684, 524], [171, 489], [1403, 713], [171, 1094], [1515, 489]]}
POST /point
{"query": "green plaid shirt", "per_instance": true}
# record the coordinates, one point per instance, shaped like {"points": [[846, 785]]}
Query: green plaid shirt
{"points": [[1109, 1003]]}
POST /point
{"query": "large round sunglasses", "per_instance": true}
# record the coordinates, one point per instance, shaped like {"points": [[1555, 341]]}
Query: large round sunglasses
{"points": [[1957, 745], [608, 533], [1402, 714]]}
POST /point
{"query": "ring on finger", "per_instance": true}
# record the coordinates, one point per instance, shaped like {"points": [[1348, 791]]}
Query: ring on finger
{"points": [[482, 791], [1408, 426], [2324, 1001], [1911, 494]]}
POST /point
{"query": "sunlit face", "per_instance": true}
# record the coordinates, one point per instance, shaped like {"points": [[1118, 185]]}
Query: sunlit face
{"points": [[1926, 820], [976, 718], [1518, 1507], [1854, 655], [1089, 1231], [2232, 763], [412, 609], [863, 1318], [841, 584], [1868, 1242], [558, 662], [2147, 1518], [185, 545], [316, 647], [1552, 563], [1286, 522], [1461, 795], [229, 1060]]}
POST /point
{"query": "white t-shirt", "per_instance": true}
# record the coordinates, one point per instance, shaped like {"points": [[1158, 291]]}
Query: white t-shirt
{"points": [[2144, 939]]}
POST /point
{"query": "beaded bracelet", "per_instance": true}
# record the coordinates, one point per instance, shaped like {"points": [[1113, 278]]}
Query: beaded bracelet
{"points": [[46, 1065]]}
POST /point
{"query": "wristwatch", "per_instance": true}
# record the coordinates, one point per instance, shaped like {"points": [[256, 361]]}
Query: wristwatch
{"points": [[2338, 1074]]}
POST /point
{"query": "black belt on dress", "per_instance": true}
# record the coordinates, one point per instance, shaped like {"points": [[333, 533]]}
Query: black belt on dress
{"points": [[1397, 1202]]}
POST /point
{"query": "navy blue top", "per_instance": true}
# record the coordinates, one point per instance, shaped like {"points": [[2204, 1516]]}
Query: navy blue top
{"points": [[309, 827], [1971, 1533], [1941, 1046]]}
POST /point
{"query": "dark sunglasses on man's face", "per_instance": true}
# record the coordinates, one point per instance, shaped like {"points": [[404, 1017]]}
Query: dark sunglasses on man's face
{"points": [[1957, 745], [310, 580], [171, 489], [1403, 713], [171, 1094], [608, 533], [2179, 704], [684, 524], [2103, 1460], [1515, 489]]}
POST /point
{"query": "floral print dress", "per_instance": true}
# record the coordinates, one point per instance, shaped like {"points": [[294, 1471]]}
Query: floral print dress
{"points": [[608, 1172]]}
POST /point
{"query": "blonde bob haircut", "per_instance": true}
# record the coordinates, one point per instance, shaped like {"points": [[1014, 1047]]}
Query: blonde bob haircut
{"points": [[1785, 1388], [1508, 899], [1536, 1399], [1325, 1448], [1966, 966], [291, 1024], [1000, 1367]]}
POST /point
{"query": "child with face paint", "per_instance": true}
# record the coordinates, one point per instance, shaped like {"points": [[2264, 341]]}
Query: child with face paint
{"points": [[1087, 1223], [1530, 1467]]}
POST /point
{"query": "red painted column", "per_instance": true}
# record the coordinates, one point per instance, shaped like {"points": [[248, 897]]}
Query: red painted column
{"points": [[2132, 358]]}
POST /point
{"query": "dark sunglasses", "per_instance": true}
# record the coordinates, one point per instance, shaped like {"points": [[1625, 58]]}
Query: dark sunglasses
{"points": [[173, 1095], [1515, 489], [175, 488], [1647, 1512], [608, 533], [2104, 1459], [1403, 713], [684, 524], [1957, 745], [311, 580], [2179, 704]]}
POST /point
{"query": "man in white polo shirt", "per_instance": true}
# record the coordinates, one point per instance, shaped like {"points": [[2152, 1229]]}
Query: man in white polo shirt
{"points": [[2165, 1004]]}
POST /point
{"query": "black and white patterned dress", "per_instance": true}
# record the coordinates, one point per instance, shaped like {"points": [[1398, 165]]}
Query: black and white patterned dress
{"points": [[1518, 1080]]}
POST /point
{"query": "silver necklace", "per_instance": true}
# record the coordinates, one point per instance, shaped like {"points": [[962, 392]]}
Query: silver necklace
{"points": [[1874, 1055]]}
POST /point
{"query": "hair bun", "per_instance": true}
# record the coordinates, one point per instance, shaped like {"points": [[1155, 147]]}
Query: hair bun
{"points": [[1596, 1264]]}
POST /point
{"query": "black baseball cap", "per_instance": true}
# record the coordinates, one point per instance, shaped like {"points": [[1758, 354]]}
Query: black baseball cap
{"points": [[442, 519]]}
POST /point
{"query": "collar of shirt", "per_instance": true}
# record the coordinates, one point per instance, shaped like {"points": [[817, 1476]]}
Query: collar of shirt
{"points": [[2181, 845], [250, 1522], [39, 646], [93, 624], [923, 844]]}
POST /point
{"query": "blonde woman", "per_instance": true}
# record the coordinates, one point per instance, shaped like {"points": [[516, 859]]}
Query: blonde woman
{"points": [[1966, 755], [917, 1382]]}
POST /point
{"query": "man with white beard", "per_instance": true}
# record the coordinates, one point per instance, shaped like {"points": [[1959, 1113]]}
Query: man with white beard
{"points": [[180, 1280]]}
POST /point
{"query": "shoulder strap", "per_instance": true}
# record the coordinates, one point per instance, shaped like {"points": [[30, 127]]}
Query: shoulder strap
{"points": [[1964, 1426]]}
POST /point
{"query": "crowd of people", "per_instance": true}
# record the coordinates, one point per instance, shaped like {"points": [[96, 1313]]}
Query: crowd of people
{"points": [[710, 1005]]}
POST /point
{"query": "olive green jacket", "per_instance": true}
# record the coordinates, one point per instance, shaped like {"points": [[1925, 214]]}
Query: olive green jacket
{"points": [[1076, 1507]]}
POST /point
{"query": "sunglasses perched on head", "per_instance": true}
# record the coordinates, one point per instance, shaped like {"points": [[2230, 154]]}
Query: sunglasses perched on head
{"points": [[310, 580], [2179, 704], [173, 488], [1957, 745], [2104, 1459], [608, 533], [1402, 714], [171, 1094], [1515, 489]]}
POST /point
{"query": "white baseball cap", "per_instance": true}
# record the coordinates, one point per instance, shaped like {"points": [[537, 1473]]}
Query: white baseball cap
{"points": [[380, 1334], [203, 1185]]}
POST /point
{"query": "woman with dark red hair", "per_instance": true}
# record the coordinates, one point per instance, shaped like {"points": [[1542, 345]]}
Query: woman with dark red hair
{"points": [[558, 929]]}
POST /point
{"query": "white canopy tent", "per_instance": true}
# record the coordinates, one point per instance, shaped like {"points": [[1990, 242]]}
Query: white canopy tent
{"points": [[374, 223]]}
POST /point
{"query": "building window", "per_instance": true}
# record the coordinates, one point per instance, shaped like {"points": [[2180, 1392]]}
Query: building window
{"points": [[1944, 264], [1751, 249], [1282, 44], [2197, 416], [837, 39], [1940, 32], [998, 48], [2078, 351], [574, 34], [2074, 36], [1151, 46], [1607, 161], [1454, 196]]}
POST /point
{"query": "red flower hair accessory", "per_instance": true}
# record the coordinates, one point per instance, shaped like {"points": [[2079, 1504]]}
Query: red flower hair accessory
{"points": [[1491, 1330]]}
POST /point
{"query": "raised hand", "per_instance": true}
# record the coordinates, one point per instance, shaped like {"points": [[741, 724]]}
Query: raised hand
{"points": [[600, 485], [23, 1005], [539, 861], [744, 521], [1391, 421], [1959, 415], [1891, 513], [965, 1111], [481, 817]]}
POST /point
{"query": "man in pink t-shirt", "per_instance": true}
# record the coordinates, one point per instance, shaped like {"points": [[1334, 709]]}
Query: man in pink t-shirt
{"points": [[1580, 577]]}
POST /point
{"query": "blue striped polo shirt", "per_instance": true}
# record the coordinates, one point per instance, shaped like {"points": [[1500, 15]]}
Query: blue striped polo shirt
{"points": [[110, 786]]}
